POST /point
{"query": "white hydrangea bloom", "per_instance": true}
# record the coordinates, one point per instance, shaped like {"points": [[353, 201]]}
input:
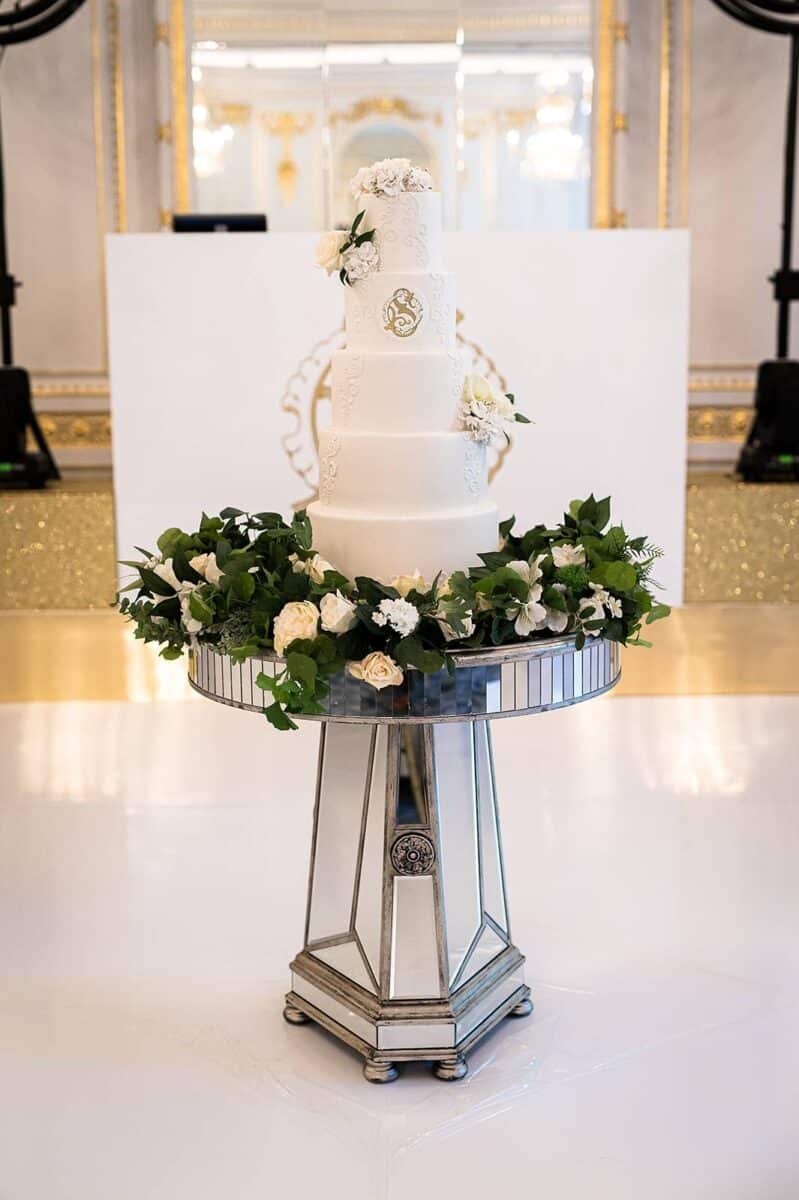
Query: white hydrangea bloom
{"points": [[401, 615], [360, 261]]}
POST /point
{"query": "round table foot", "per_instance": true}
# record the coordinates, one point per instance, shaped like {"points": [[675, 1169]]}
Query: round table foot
{"points": [[452, 1068], [379, 1072], [295, 1016], [522, 1009]]}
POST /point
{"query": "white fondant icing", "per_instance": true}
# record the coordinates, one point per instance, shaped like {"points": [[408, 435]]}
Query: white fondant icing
{"points": [[407, 230], [400, 473], [400, 488], [364, 543], [396, 393]]}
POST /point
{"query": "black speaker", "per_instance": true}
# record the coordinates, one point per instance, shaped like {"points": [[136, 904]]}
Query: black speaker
{"points": [[771, 451], [18, 467], [219, 223]]}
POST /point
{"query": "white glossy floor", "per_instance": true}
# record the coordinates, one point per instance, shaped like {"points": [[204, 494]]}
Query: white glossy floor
{"points": [[152, 872]]}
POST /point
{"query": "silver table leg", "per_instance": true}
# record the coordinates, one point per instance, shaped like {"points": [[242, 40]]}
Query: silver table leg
{"points": [[408, 951]]}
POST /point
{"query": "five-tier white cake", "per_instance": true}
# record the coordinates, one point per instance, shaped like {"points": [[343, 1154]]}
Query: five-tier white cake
{"points": [[402, 487]]}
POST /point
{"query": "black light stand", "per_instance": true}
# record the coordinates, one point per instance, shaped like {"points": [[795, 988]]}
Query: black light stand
{"points": [[18, 467], [772, 447]]}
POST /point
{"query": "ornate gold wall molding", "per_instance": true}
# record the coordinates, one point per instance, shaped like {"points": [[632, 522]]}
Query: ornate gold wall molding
{"points": [[605, 89], [721, 383], [179, 88], [77, 430], [718, 423], [45, 391], [382, 106], [394, 26], [665, 112], [117, 116]]}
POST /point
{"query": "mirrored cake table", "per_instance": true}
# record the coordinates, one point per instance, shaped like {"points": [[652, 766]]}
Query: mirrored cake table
{"points": [[407, 951]]}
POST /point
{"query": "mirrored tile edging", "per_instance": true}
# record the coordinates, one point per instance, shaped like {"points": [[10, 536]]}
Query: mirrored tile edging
{"points": [[487, 684]]}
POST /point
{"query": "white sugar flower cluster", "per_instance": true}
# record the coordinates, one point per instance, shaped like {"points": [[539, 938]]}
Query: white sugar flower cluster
{"points": [[401, 615], [486, 414], [360, 261], [389, 177]]}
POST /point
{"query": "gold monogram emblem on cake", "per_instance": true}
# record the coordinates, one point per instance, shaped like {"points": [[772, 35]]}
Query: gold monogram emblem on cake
{"points": [[402, 313]]}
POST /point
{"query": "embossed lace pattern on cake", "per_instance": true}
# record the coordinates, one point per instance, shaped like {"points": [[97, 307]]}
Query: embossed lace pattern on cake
{"points": [[402, 313], [440, 311], [473, 467], [402, 225], [328, 467], [353, 376]]}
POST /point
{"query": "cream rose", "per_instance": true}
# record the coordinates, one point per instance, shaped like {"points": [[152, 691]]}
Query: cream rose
{"points": [[377, 669], [478, 390], [338, 613], [328, 250], [314, 567], [206, 565], [410, 583], [449, 633], [297, 619]]}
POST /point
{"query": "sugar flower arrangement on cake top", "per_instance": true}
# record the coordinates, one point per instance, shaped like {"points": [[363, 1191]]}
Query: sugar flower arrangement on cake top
{"points": [[389, 177], [251, 585]]}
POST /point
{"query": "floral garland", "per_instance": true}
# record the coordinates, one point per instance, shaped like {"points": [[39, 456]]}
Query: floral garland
{"points": [[352, 254], [389, 177], [250, 583], [486, 415]]}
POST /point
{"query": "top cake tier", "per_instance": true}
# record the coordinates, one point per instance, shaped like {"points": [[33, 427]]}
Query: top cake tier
{"points": [[407, 230]]}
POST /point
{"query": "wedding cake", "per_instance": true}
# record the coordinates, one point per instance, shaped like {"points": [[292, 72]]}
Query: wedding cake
{"points": [[402, 470]]}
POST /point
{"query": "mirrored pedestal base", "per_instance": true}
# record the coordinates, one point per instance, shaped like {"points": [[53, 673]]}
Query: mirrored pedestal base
{"points": [[408, 953]]}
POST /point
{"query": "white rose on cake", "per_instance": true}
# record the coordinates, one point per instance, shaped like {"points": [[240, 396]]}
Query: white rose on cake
{"points": [[390, 175], [378, 669], [328, 251], [338, 613], [297, 619], [486, 414], [417, 179]]}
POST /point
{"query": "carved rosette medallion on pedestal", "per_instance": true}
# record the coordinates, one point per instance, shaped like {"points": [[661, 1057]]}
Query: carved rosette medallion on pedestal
{"points": [[408, 951]]}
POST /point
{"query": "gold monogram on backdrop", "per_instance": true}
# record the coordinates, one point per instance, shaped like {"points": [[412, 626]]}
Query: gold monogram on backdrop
{"points": [[306, 402]]}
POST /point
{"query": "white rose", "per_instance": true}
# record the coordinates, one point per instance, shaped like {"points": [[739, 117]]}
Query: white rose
{"points": [[360, 261], [338, 613], [297, 619], [568, 556], [411, 583], [166, 571], [205, 565], [378, 669], [477, 390], [314, 567], [328, 249]]}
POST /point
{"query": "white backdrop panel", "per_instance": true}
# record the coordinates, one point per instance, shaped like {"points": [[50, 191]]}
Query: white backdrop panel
{"points": [[590, 330]]}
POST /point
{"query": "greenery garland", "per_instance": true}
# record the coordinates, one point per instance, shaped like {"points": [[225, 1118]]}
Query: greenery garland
{"points": [[249, 583]]}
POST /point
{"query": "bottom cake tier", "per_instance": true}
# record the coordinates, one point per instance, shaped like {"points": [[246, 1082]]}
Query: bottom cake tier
{"points": [[383, 547]]}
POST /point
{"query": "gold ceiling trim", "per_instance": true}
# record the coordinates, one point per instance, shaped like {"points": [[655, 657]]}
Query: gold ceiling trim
{"points": [[382, 106], [230, 112], [332, 26], [180, 106], [719, 423]]}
